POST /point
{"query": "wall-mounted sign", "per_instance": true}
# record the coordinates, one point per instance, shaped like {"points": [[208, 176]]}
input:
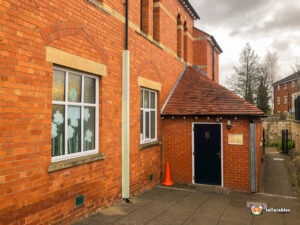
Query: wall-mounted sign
{"points": [[207, 135], [235, 139]]}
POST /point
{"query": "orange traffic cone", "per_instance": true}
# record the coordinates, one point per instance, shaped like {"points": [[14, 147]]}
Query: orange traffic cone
{"points": [[168, 181]]}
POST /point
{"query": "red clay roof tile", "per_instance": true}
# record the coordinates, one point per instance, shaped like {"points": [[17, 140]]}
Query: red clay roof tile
{"points": [[196, 94]]}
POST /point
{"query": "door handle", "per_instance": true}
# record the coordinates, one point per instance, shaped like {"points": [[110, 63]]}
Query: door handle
{"points": [[218, 154]]}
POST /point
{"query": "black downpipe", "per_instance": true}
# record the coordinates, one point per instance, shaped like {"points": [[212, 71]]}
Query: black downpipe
{"points": [[126, 24]]}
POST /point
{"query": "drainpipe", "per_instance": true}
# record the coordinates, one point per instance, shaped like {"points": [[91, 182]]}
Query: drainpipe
{"points": [[125, 113], [288, 99], [252, 156]]}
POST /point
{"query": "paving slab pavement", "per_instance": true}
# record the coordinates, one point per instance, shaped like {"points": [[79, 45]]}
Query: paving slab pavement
{"points": [[274, 174], [193, 204]]}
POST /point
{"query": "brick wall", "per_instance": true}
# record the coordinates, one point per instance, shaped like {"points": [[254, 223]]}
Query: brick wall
{"points": [[295, 131], [200, 50], [177, 147], [273, 130], [216, 67], [288, 91], [209, 59], [168, 25], [29, 194], [202, 55]]}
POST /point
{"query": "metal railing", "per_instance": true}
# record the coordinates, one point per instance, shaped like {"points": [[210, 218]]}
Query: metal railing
{"points": [[285, 141], [297, 108]]}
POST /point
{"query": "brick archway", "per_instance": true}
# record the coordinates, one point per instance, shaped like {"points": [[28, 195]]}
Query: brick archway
{"points": [[61, 29], [151, 66]]}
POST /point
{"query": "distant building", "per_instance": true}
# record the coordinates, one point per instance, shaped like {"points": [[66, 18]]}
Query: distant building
{"points": [[285, 91]]}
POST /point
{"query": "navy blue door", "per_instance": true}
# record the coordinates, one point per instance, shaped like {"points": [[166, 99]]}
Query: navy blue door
{"points": [[207, 154]]}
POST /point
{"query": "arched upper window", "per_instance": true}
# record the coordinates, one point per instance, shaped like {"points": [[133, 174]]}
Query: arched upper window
{"points": [[144, 26], [156, 21], [179, 36], [185, 45]]}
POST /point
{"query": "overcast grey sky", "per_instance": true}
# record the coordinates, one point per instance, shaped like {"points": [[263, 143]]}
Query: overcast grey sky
{"points": [[272, 25]]}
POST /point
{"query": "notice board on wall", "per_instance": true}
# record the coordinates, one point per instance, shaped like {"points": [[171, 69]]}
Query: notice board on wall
{"points": [[235, 139]]}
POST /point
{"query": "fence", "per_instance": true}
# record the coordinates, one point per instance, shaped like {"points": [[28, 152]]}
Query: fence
{"points": [[285, 141]]}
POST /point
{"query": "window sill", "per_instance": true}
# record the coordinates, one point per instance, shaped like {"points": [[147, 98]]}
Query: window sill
{"points": [[149, 38], [102, 6], [149, 145], [75, 162]]}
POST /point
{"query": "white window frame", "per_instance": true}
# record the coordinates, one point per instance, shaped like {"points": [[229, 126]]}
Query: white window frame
{"points": [[143, 139], [285, 85], [278, 87], [82, 105], [278, 100], [293, 83], [285, 99]]}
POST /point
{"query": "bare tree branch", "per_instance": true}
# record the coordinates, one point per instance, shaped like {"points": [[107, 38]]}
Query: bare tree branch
{"points": [[245, 79]]}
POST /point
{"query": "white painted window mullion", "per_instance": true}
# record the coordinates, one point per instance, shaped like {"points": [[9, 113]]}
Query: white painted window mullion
{"points": [[149, 113], [97, 115], [144, 127], [150, 121], [81, 112], [66, 112], [89, 104], [144, 116], [58, 102], [155, 113]]}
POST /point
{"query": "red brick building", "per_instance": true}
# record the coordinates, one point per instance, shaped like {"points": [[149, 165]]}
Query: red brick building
{"points": [[82, 87], [285, 91], [211, 126]]}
